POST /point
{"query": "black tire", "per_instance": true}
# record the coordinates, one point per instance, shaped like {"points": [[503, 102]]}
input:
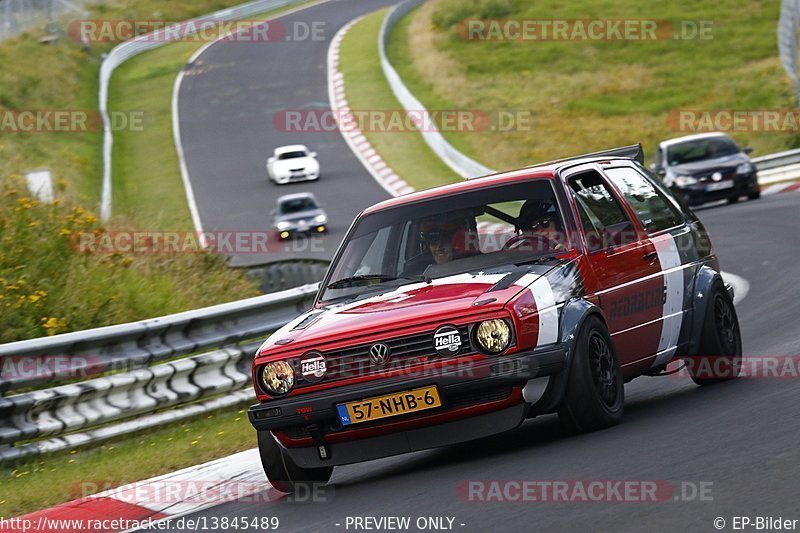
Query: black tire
{"points": [[595, 397], [720, 354], [733, 199], [282, 471], [755, 195]]}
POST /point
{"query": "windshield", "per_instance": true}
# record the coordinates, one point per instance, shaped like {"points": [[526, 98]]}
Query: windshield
{"points": [[700, 149], [291, 155], [484, 230], [296, 205]]}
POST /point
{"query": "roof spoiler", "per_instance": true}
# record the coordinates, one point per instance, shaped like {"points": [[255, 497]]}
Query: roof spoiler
{"points": [[634, 151]]}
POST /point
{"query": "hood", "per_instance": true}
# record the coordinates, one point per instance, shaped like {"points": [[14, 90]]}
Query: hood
{"points": [[726, 163], [287, 165], [415, 303]]}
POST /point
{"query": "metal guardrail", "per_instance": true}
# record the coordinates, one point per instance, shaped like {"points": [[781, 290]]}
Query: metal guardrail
{"points": [[777, 160], [139, 344], [459, 162], [218, 378], [132, 47]]}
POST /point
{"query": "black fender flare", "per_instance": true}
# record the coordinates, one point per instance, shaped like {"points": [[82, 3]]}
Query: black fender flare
{"points": [[572, 317], [704, 280]]}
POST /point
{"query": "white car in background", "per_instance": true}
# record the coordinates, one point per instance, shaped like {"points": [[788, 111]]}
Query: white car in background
{"points": [[292, 163]]}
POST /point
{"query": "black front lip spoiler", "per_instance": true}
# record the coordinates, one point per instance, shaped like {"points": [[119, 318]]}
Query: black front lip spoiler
{"points": [[314, 407]]}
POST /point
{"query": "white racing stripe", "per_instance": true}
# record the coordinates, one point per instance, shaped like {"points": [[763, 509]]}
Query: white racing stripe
{"points": [[672, 312], [548, 312]]}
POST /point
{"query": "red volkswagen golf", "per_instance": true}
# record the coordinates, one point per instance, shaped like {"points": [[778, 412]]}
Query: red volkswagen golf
{"points": [[457, 312]]}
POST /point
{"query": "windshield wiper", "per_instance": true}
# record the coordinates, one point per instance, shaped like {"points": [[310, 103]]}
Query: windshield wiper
{"points": [[369, 278], [536, 261]]}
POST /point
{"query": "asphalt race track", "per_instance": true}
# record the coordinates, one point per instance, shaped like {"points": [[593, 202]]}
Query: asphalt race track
{"points": [[227, 103], [740, 436]]}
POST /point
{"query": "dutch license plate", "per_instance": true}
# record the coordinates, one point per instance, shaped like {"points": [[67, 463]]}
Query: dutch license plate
{"points": [[722, 185], [395, 404]]}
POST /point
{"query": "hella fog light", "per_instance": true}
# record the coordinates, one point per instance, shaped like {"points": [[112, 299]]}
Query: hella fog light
{"points": [[493, 336]]}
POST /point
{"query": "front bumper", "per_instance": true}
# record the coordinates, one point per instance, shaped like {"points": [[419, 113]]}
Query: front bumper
{"points": [[315, 417], [696, 194], [305, 230]]}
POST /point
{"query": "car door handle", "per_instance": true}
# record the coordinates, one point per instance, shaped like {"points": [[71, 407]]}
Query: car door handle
{"points": [[651, 257]]}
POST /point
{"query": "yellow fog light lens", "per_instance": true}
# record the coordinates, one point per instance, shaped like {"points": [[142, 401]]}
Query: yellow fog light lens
{"points": [[277, 377], [493, 336], [320, 229], [284, 234]]}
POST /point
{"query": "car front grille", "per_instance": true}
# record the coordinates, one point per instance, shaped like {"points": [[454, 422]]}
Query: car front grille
{"points": [[405, 352], [727, 174]]}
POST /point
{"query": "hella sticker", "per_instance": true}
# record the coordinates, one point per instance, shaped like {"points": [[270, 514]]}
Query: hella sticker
{"points": [[447, 340], [313, 367]]}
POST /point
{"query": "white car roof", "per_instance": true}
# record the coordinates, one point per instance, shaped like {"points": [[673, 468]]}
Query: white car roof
{"points": [[670, 142], [290, 148]]}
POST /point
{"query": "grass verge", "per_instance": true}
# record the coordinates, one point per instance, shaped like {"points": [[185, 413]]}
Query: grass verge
{"points": [[584, 96], [367, 89], [50, 283], [48, 480]]}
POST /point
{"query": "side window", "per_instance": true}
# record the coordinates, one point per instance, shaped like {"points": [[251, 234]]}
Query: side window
{"points": [[651, 207], [604, 222]]}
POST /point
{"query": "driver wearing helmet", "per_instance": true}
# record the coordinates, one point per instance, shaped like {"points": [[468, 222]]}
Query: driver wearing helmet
{"points": [[538, 228], [445, 236]]}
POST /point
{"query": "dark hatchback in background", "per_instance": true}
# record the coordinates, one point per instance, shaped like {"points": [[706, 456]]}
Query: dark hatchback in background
{"points": [[298, 213], [705, 168]]}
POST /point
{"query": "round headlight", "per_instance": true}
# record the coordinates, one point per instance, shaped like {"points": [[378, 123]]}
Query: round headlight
{"points": [[493, 336], [277, 377]]}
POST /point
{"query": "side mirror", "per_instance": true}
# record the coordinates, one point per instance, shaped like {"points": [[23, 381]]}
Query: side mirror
{"points": [[312, 154], [747, 150], [271, 159], [273, 211]]}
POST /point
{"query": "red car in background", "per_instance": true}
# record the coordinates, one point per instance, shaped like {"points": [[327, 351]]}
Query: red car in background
{"points": [[457, 312]]}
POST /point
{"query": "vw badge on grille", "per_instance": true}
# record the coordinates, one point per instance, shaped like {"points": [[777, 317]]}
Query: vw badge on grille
{"points": [[379, 354], [313, 366], [447, 340]]}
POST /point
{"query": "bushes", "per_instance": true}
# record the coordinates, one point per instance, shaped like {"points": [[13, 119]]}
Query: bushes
{"points": [[48, 286]]}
